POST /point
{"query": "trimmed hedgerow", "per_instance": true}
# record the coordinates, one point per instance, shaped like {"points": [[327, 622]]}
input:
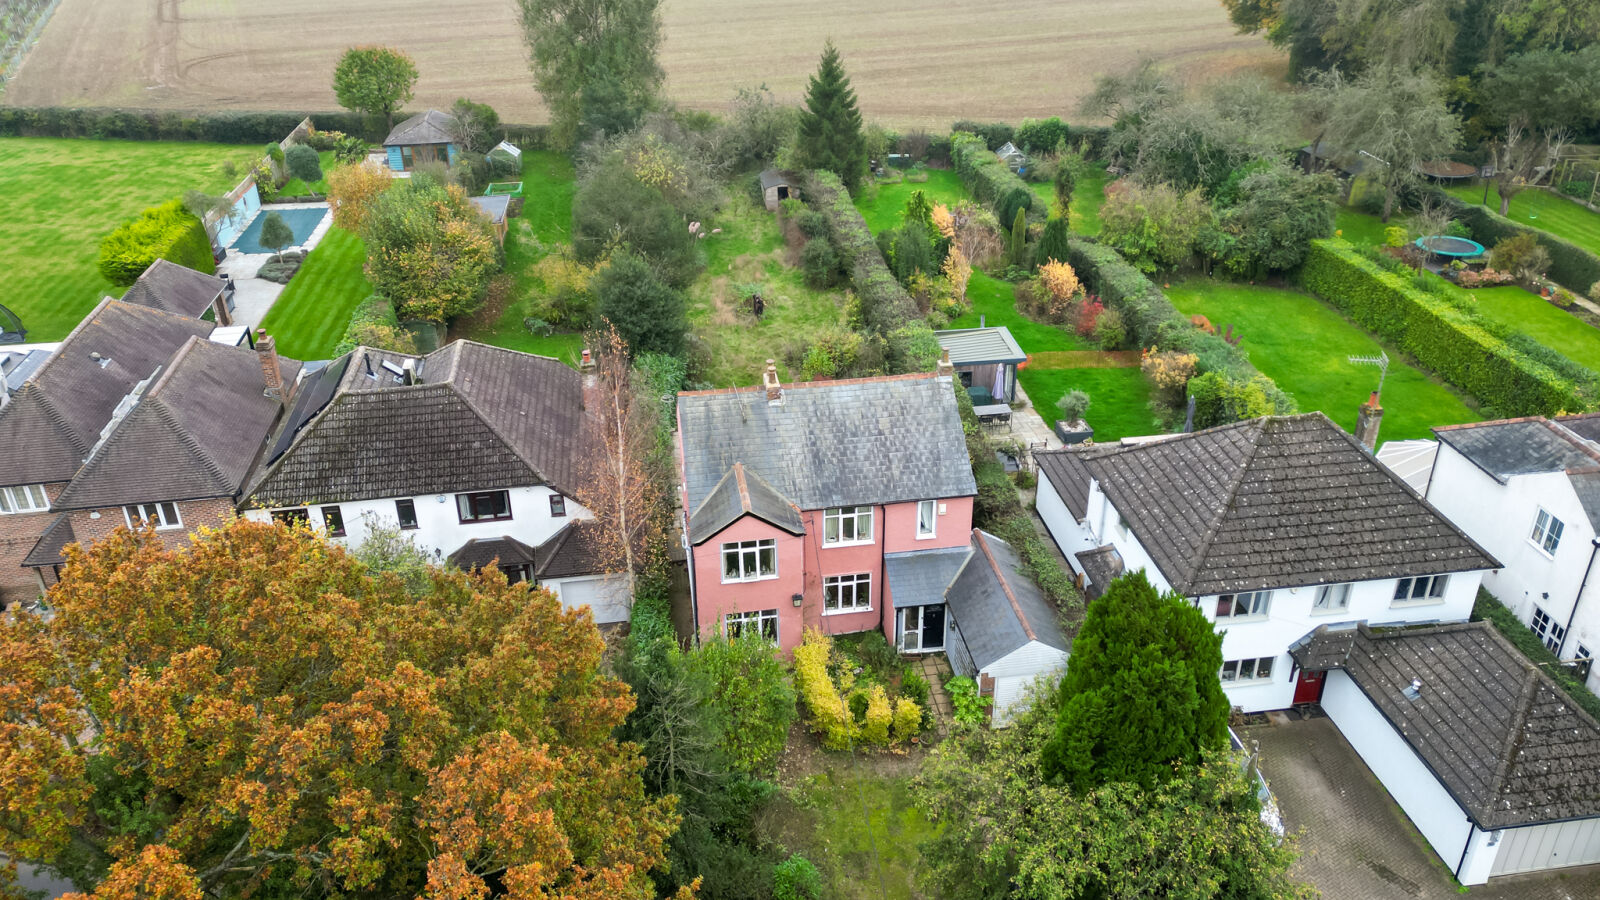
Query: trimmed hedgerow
{"points": [[1456, 343], [167, 232], [989, 179], [227, 127], [1571, 266]]}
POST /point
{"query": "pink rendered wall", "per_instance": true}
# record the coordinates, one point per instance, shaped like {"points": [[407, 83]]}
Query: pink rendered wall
{"points": [[715, 599], [853, 559], [953, 529]]}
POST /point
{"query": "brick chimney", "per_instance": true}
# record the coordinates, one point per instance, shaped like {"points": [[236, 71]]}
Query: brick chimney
{"points": [[271, 375], [1367, 421], [769, 380], [944, 370], [586, 361]]}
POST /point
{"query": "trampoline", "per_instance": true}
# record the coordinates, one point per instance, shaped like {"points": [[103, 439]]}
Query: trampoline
{"points": [[300, 221], [1453, 247]]}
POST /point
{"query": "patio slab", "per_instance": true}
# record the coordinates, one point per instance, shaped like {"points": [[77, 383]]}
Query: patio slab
{"points": [[253, 297]]}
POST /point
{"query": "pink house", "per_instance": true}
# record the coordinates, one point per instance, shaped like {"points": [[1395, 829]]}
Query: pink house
{"points": [[840, 505]]}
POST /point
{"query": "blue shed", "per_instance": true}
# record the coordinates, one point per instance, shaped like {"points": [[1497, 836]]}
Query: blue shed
{"points": [[425, 137]]}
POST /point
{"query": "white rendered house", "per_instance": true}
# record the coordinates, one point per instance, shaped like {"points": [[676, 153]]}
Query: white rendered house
{"points": [[1274, 527]]}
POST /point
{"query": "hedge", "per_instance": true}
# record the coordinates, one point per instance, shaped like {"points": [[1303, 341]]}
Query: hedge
{"points": [[1571, 266], [1457, 344], [989, 179], [167, 232]]}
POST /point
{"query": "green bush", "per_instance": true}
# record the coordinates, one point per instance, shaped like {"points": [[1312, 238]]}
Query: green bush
{"points": [[374, 324], [796, 879], [1041, 135], [1488, 609], [995, 134], [885, 305], [1571, 266], [167, 232], [197, 125], [819, 264], [970, 709], [989, 179], [1457, 344], [751, 696]]}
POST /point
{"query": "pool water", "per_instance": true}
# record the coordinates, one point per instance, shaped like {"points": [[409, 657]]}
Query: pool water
{"points": [[300, 221]]}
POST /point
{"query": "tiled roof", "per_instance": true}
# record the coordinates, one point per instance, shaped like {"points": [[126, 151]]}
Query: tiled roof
{"points": [[738, 494], [172, 288], [570, 552], [1101, 566], [194, 433], [1508, 744], [837, 443], [1520, 447], [997, 607], [47, 552], [480, 552], [431, 127], [50, 425], [920, 577], [480, 417], [980, 346], [1272, 502]]}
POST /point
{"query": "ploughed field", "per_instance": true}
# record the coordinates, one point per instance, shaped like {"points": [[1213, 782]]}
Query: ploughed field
{"points": [[913, 62]]}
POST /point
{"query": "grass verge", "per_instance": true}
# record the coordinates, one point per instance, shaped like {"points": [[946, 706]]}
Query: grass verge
{"points": [[311, 315]]}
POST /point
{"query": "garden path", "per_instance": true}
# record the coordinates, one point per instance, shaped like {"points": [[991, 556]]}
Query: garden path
{"points": [[253, 297], [935, 669]]}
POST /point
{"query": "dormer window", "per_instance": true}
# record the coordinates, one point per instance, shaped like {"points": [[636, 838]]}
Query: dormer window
{"points": [[25, 498]]}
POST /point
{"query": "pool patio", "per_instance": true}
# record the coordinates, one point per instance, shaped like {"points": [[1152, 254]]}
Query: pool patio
{"points": [[254, 296]]}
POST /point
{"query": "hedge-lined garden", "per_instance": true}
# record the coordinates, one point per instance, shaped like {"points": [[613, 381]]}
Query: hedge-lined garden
{"points": [[1571, 266], [989, 179], [1458, 344]]}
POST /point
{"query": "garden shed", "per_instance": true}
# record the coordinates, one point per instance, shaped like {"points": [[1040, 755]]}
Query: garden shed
{"points": [[777, 187], [425, 137], [496, 209], [1014, 159], [505, 150], [986, 361]]}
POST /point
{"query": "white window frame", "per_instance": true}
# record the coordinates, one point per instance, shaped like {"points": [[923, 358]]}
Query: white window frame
{"points": [[838, 585], [733, 624], [1547, 630], [1405, 590], [749, 553], [1583, 661], [161, 508], [24, 498], [1234, 668], [1546, 534], [833, 521], [1330, 599], [1259, 605], [932, 506]]}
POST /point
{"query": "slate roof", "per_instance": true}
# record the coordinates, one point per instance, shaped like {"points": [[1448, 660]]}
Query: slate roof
{"points": [[771, 178], [570, 552], [743, 493], [480, 552], [195, 432], [50, 425], [1584, 425], [1504, 740], [1280, 501], [835, 443], [997, 607], [47, 552], [981, 346], [480, 417], [431, 127], [1519, 447], [920, 577], [172, 288]]}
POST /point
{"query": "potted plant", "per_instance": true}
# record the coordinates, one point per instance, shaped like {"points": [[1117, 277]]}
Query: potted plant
{"points": [[1071, 427]]}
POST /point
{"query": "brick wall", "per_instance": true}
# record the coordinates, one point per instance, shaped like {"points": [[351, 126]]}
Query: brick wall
{"points": [[18, 534], [91, 525]]}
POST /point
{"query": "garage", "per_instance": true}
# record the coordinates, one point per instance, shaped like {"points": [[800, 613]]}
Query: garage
{"points": [[572, 565], [606, 597], [1491, 760]]}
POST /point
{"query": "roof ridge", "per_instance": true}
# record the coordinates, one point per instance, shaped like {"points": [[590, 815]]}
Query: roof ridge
{"points": [[872, 379], [55, 415], [1197, 559], [744, 487], [1502, 768], [1583, 446], [983, 544]]}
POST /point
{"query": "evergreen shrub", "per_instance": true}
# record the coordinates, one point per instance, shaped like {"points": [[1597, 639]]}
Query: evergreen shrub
{"points": [[167, 232]]}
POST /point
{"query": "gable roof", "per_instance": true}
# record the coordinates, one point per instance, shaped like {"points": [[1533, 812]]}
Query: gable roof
{"points": [[1280, 501], [833, 443], [195, 432], [480, 552], [431, 127], [1519, 447], [981, 346], [738, 494], [1507, 743], [570, 552], [50, 425], [998, 609], [172, 288], [47, 551], [480, 417]]}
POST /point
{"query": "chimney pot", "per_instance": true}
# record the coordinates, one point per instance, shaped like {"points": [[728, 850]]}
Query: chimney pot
{"points": [[271, 375], [586, 361], [1368, 418], [769, 380], [944, 370]]}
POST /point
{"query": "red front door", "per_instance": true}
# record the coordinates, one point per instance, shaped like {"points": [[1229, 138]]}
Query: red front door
{"points": [[1308, 689]]}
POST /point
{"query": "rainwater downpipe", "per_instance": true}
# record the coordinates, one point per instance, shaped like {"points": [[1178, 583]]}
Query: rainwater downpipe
{"points": [[1572, 616], [1472, 830]]}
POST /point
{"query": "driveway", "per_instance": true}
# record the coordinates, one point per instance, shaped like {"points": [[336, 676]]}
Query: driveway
{"points": [[1355, 842]]}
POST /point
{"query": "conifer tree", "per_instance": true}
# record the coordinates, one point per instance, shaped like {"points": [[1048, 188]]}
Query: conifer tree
{"points": [[830, 125], [1019, 239], [1065, 184], [1053, 243]]}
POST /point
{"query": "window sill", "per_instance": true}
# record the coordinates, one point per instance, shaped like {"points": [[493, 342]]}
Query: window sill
{"points": [[926, 537], [1330, 612], [1542, 551], [750, 580], [482, 521], [1407, 604], [846, 612], [1241, 620], [829, 546], [1247, 682], [409, 527]]}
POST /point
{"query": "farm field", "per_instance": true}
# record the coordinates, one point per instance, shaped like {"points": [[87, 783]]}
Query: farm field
{"points": [[914, 62], [1543, 210], [62, 196], [1301, 344]]}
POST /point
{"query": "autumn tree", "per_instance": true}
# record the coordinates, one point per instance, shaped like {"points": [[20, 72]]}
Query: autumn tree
{"points": [[259, 714], [830, 124], [375, 80], [352, 190], [429, 250]]}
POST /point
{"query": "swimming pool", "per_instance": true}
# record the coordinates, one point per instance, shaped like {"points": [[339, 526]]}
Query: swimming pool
{"points": [[300, 221]]}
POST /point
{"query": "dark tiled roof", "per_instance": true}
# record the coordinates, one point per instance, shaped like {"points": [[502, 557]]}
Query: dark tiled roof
{"points": [[920, 577], [840, 443], [49, 427], [997, 607], [431, 127], [480, 552], [1069, 474], [172, 288], [194, 433], [570, 552], [771, 178], [1506, 742], [1101, 566], [1584, 425], [1519, 447], [738, 494], [1586, 484], [47, 552], [480, 417], [1273, 502]]}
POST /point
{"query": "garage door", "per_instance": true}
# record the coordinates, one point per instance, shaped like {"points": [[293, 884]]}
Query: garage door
{"points": [[1008, 692], [1548, 847], [606, 598]]}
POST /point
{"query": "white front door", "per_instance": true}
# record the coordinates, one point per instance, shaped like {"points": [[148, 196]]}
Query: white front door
{"points": [[922, 629]]}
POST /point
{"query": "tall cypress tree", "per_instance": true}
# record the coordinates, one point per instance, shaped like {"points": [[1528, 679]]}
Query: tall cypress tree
{"points": [[1019, 239], [830, 125]]}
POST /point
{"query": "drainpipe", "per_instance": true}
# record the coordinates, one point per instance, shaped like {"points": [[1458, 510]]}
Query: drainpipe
{"points": [[1472, 830], [1571, 617], [694, 603]]}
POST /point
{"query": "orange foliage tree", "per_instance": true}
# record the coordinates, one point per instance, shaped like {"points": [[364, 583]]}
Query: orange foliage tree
{"points": [[259, 713], [351, 190], [1062, 283]]}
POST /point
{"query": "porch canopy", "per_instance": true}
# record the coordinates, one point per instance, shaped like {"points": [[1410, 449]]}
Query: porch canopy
{"points": [[987, 360]]}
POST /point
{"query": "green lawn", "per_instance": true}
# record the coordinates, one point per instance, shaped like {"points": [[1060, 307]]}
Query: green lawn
{"points": [[1088, 196], [294, 187], [1119, 399], [59, 197], [1302, 345], [1543, 210], [994, 303], [1361, 228], [311, 315], [862, 830], [548, 183], [885, 207], [1530, 314]]}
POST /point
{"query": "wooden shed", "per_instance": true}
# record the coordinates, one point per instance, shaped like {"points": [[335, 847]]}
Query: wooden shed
{"points": [[777, 187]]}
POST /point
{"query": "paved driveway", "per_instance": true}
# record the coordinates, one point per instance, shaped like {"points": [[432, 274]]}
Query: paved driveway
{"points": [[1355, 842]]}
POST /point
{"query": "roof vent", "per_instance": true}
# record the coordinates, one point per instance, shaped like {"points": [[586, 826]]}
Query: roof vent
{"points": [[398, 373], [1413, 690], [101, 361]]}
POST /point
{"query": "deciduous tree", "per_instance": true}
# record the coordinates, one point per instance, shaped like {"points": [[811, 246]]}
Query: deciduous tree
{"points": [[275, 233], [375, 80], [1154, 226], [648, 313], [352, 190], [594, 62], [830, 124], [303, 163], [256, 713], [429, 250], [477, 125], [1392, 120]]}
